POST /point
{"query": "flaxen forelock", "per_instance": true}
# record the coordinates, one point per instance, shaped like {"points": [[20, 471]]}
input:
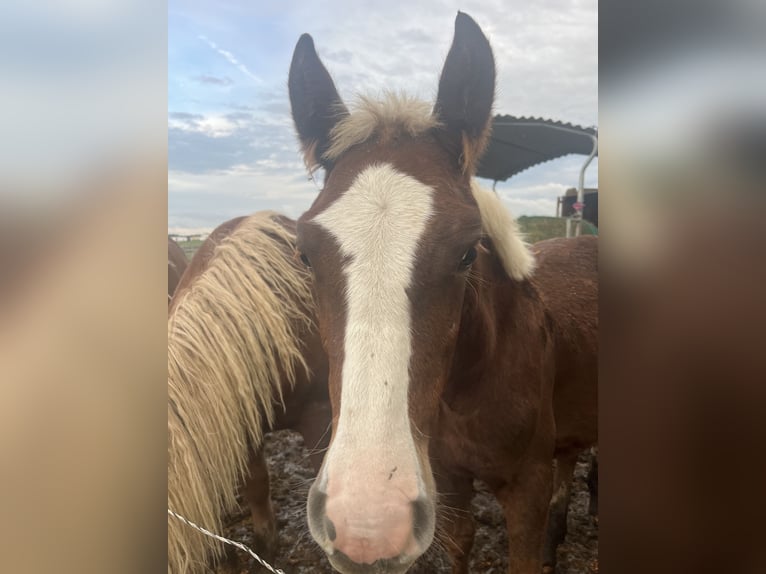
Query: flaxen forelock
{"points": [[396, 115], [393, 115]]}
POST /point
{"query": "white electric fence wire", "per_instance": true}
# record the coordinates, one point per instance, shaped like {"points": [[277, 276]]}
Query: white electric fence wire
{"points": [[239, 545]]}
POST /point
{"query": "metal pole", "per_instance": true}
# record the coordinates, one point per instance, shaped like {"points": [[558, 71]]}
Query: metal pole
{"points": [[581, 190], [577, 217]]}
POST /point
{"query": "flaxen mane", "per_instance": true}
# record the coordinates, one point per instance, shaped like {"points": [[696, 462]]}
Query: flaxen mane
{"points": [[232, 343], [502, 228], [398, 115]]}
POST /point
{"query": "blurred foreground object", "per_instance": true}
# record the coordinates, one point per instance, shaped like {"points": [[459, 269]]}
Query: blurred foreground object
{"points": [[82, 285], [683, 381], [83, 357]]}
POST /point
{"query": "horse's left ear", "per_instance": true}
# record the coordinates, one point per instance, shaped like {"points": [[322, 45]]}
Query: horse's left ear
{"points": [[466, 93]]}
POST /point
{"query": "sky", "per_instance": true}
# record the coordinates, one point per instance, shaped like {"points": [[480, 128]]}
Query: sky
{"points": [[232, 149]]}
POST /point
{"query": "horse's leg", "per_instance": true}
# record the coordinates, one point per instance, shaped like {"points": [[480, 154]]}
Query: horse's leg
{"points": [[257, 494], [228, 562], [457, 527], [559, 505], [525, 498], [593, 486]]}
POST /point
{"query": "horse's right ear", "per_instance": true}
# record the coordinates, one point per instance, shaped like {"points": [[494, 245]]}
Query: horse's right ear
{"points": [[315, 102], [466, 92]]}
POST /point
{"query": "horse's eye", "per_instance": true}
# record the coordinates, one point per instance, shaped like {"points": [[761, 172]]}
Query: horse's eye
{"points": [[468, 258], [305, 260]]}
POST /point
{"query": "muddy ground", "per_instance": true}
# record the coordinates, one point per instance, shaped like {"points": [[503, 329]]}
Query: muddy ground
{"points": [[291, 476]]}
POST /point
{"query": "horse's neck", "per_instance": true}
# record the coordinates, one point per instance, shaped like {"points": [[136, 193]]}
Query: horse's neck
{"points": [[479, 336], [499, 315]]}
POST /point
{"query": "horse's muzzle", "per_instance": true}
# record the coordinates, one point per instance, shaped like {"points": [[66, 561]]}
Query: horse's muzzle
{"points": [[374, 535]]}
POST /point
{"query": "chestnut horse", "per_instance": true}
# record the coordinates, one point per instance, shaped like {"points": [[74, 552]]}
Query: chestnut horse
{"points": [[559, 265], [177, 263], [241, 340], [443, 349], [566, 276]]}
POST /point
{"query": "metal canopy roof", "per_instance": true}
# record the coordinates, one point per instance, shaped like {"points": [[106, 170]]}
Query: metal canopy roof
{"points": [[520, 143]]}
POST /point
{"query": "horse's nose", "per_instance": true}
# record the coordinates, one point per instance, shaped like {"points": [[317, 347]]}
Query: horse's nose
{"points": [[389, 532], [379, 532]]}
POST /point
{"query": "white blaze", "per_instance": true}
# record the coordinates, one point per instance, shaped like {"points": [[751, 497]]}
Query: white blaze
{"points": [[378, 224]]}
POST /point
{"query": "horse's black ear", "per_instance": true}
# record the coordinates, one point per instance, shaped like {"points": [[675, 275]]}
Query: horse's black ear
{"points": [[466, 93], [315, 102]]}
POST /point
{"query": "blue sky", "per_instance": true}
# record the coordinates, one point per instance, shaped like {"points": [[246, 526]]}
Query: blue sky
{"points": [[231, 145]]}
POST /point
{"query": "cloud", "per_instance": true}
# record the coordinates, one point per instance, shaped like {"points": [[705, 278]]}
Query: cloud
{"points": [[220, 141], [239, 107], [231, 59], [546, 51], [184, 116], [213, 80], [211, 126], [205, 200], [546, 56]]}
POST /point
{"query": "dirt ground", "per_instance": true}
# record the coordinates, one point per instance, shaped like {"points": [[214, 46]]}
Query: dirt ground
{"points": [[291, 476]]}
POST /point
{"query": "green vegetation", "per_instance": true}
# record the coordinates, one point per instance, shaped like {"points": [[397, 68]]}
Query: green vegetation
{"points": [[190, 246], [538, 228]]}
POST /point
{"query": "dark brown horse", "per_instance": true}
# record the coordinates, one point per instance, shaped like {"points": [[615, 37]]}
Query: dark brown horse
{"points": [[448, 359], [177, 263]]}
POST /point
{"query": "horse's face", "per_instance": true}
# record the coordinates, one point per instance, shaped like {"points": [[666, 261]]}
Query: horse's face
{"points": [[391, 240], [390, 272]]}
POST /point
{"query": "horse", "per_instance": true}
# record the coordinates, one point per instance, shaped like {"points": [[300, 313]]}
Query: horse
{"points": [[445, 360], [177, 263], [566, 277], [241, 337], [310, 417]]}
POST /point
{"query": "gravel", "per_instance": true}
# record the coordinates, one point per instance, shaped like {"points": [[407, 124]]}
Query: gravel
{"points": [[291, 476]]}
